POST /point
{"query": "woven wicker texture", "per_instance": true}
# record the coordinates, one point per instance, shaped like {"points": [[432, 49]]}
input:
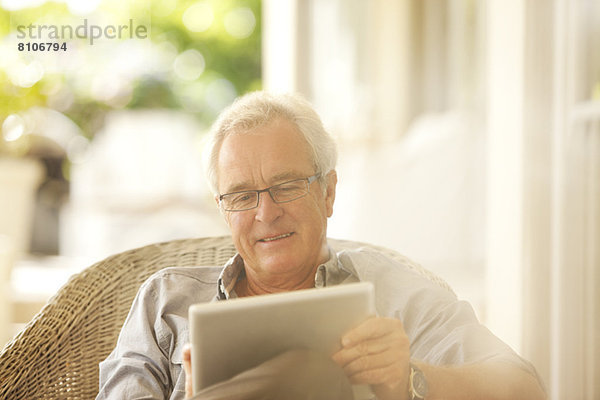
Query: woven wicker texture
{"points": [[56, 355]]}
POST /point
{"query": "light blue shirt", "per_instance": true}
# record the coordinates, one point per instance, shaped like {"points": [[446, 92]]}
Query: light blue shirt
{"points": [[147, 361]]}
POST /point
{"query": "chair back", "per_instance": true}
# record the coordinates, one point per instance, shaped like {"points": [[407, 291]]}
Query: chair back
{"points": [[56, 355]]}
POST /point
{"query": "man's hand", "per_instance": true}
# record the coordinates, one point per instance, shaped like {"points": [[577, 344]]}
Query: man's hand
{"points": [[377, 353], [187, 367]]}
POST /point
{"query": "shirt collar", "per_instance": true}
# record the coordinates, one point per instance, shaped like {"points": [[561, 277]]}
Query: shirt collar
{"points": [[328, 273], [233, 270]]}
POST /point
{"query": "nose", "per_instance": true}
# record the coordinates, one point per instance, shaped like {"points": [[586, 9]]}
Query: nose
{"points": [[267, 210]]}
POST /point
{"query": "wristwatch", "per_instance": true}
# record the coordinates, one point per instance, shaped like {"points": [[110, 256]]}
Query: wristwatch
{"points": [[417, 384]]}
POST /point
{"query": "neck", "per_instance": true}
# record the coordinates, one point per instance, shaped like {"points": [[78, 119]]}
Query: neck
{"points": [[247, 286], [257, 282]]}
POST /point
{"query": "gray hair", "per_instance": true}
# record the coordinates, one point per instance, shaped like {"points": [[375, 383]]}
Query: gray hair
{"points": [[260, 108]]}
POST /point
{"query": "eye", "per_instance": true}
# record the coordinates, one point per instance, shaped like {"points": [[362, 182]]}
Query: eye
{"points": [[242, 197], [286, 188], [289, 191]]}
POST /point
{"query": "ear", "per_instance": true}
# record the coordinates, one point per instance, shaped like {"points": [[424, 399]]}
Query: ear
{"points": [[330, 193]]}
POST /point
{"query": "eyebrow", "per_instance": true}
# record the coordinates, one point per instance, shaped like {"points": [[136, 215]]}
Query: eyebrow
{"points": [[279, 178]]}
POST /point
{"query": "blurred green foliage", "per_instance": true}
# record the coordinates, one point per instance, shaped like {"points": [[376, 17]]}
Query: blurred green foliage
{"points": [[232, 62]]}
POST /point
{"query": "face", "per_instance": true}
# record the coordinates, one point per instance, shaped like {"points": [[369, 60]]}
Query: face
{"points": [[277, 241]]}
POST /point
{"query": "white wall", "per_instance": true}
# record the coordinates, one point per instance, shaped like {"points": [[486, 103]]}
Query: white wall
{"points": [[401, 94]]}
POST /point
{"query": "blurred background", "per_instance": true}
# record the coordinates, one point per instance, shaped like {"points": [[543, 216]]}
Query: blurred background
{"points": [[469, 137]]}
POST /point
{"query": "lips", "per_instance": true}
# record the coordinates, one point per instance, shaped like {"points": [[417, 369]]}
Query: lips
{"points": [[274, 238]]}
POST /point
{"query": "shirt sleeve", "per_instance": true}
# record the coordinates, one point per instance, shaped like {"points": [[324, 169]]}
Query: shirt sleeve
{"points": [[147, 360], [442, 329], [446, 331]]}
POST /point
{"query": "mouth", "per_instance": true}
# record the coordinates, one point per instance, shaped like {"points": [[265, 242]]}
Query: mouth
{"points": [[274, 238]]}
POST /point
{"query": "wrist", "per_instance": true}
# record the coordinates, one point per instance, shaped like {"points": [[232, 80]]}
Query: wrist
{"points": [[417, 383]]}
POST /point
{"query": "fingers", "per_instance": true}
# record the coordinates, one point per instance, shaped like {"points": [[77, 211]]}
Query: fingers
{"points": [[385, 368], [372, 328], [375, 352], [375, 361], [389, 376], [347, 355], [187, 367], [372, 337], [372, 353]]}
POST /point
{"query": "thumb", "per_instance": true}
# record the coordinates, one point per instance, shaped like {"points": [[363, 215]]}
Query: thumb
{"points": [[187, 367]]}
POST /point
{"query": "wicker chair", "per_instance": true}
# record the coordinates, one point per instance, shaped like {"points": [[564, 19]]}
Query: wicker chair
{"points": [[56, 356]]}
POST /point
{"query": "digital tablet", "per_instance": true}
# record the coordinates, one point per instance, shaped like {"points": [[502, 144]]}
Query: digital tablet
{"points": [[232, 336]]}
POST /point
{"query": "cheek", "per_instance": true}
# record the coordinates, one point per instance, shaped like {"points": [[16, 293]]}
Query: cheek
{"points": [[315, 215], [237, 224]]}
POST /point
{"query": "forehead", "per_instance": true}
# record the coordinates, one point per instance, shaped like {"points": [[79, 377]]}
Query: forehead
{"points": [[263, 156]]}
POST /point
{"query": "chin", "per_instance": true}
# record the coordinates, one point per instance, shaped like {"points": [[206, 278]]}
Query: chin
{"points": [[277, 265]]}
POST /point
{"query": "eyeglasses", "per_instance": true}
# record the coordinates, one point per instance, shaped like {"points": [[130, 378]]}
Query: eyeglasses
{"points": [[281, 193]]}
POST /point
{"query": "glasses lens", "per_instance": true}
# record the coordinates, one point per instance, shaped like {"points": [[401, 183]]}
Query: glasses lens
{"points": [[239, 201], [289, 191]]}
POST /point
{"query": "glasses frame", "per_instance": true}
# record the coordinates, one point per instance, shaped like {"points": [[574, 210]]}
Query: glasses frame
{"points": [[309, 180]]}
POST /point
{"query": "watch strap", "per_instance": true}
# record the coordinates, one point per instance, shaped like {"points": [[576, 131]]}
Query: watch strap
{"points": [[417, 384]]}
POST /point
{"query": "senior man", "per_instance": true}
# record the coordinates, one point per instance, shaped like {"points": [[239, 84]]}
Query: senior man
{"points": [[272, 167]]}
